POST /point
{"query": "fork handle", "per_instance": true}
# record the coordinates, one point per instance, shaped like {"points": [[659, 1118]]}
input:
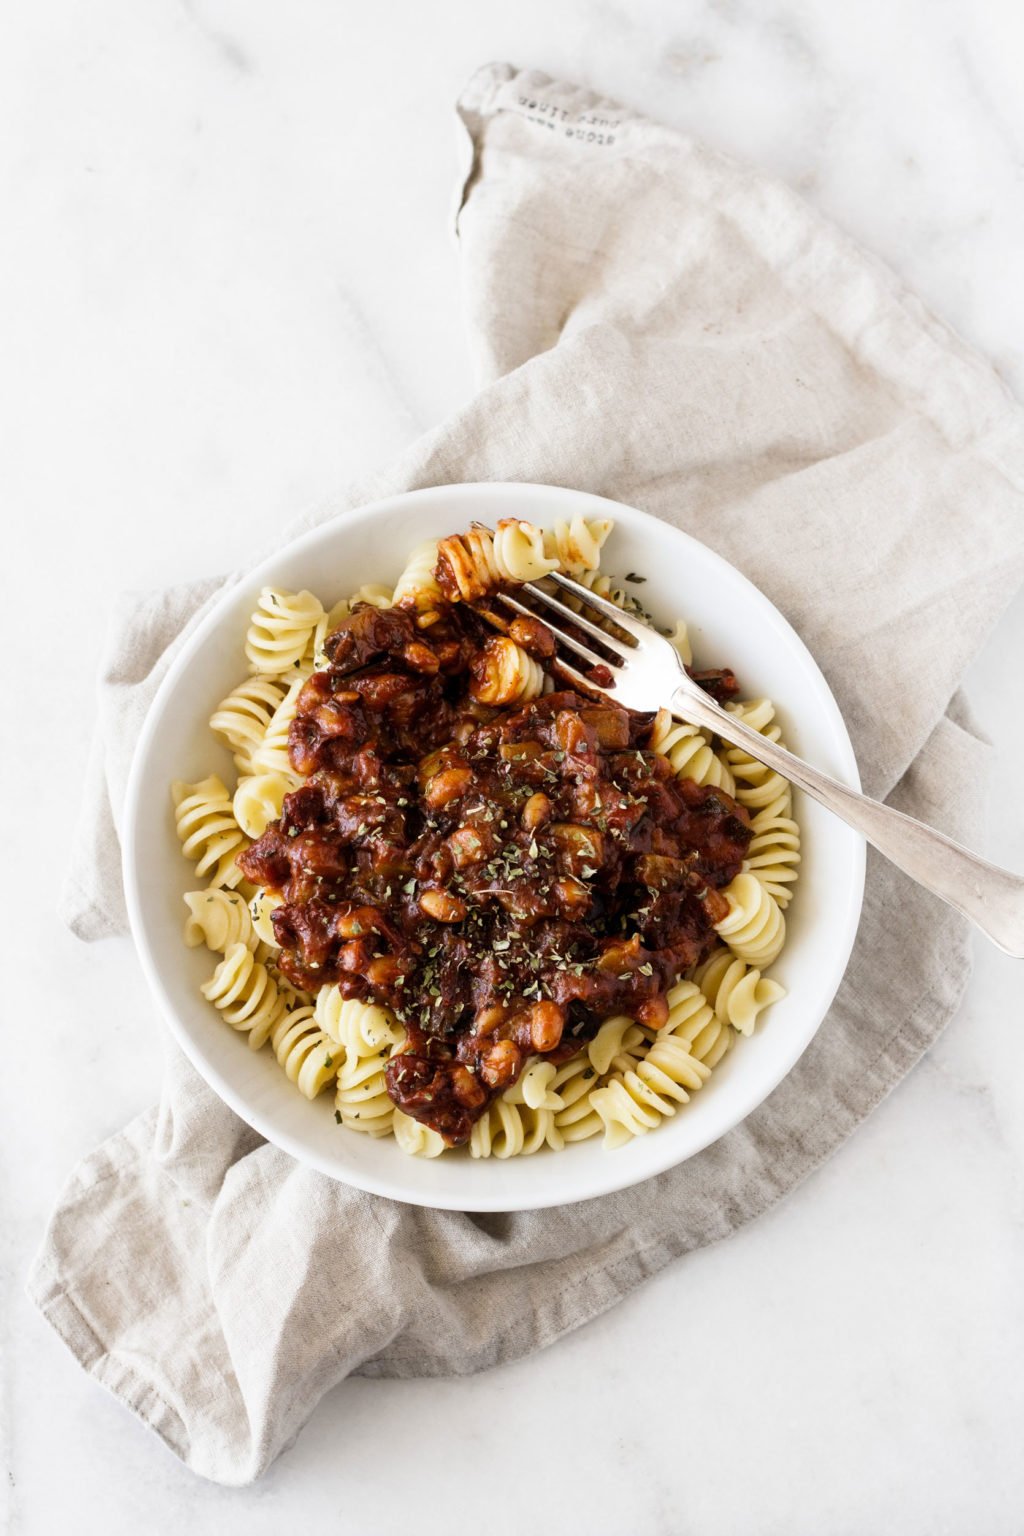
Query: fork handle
{"points": [[991, 897]]}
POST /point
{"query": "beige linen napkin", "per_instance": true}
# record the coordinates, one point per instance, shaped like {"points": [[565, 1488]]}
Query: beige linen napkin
{"points": [[659, 324]]}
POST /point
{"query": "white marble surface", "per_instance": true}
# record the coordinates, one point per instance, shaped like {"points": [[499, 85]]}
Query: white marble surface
{"points": [[228, 285]]}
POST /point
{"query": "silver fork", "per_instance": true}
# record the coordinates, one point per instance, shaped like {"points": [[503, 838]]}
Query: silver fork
{"points": [[647, 673]]}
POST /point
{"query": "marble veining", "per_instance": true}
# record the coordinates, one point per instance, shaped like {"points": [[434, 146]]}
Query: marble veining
{"points": [[229, 286]]}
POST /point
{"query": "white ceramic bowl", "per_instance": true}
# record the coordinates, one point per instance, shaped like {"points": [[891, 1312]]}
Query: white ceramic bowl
{"points": [[731, 624]]}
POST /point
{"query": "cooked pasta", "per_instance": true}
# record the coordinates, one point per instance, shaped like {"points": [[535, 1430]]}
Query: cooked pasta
{"points": [[628, 1107], [629, 1076], [756, 785], [616, 1036], [281, 628], [261, 905], [754, 929], [315, 652], [367, 1036], [516, 552], [417, 585], [510, 1129], [416, 1139], [271, 754], [309, 1058], [737, 992], [479, 561], [692, 1019], [577, 545], [258, 801], [361, 1101], [533, 1086], [507, 674], [577, 1119], [243, 991], [210, 835], [690, 752], [242, 718], [218, 919], [362, 1029], [373, 595], [774, 852], [680, 638]]}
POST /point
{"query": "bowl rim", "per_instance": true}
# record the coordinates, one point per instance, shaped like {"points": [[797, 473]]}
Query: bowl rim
{"points": [[620, 1173]]}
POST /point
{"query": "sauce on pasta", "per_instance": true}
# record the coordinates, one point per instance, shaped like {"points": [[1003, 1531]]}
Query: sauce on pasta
{"points": [[504, 878]]}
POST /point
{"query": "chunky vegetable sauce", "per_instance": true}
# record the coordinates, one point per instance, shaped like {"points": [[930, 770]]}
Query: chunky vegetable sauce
{"points": [[504, 879]]}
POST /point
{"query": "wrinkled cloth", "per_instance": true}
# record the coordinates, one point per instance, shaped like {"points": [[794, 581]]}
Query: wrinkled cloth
{"points": [[657, 323]]}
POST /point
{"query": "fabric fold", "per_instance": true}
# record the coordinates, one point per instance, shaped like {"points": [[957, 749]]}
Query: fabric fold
{"points": [[656, 323]]}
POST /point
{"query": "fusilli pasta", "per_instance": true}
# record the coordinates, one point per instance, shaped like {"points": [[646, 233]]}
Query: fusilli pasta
{"points": [[690, 752], [510, 1129], [576, 545], [282, 626], [774, 851], [508, 675], [309, 1058], [754, 928], [416, 1139], [218, 919], [242, 718], [243, 991], [372, 595], [271, 754], [210, 835], [737, 992], [258, 800], [261, 905], [417, 586], [361, 1101]]}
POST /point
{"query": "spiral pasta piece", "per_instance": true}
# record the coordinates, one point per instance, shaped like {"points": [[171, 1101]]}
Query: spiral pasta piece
{"points": [[754, 928], [271, 754], [261, 906], [615, 1036], [774, 853], [417, 586], [309, 1058], [737, 992], [282, 626], [372, 595], [415, 1138], [479, 561], [242, 718], [577, 545], [210, 835], [315, 652], [364, 1029], [517, 552], [361, 1100], [690, 752], [505, 674], [692, 1020], [508, 1129], [218, 919], [243, 991], [680, 638], [671, 1070], [532, 1087], [577, 1119], [627, 1107], [756, 785], [258, 801]]}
